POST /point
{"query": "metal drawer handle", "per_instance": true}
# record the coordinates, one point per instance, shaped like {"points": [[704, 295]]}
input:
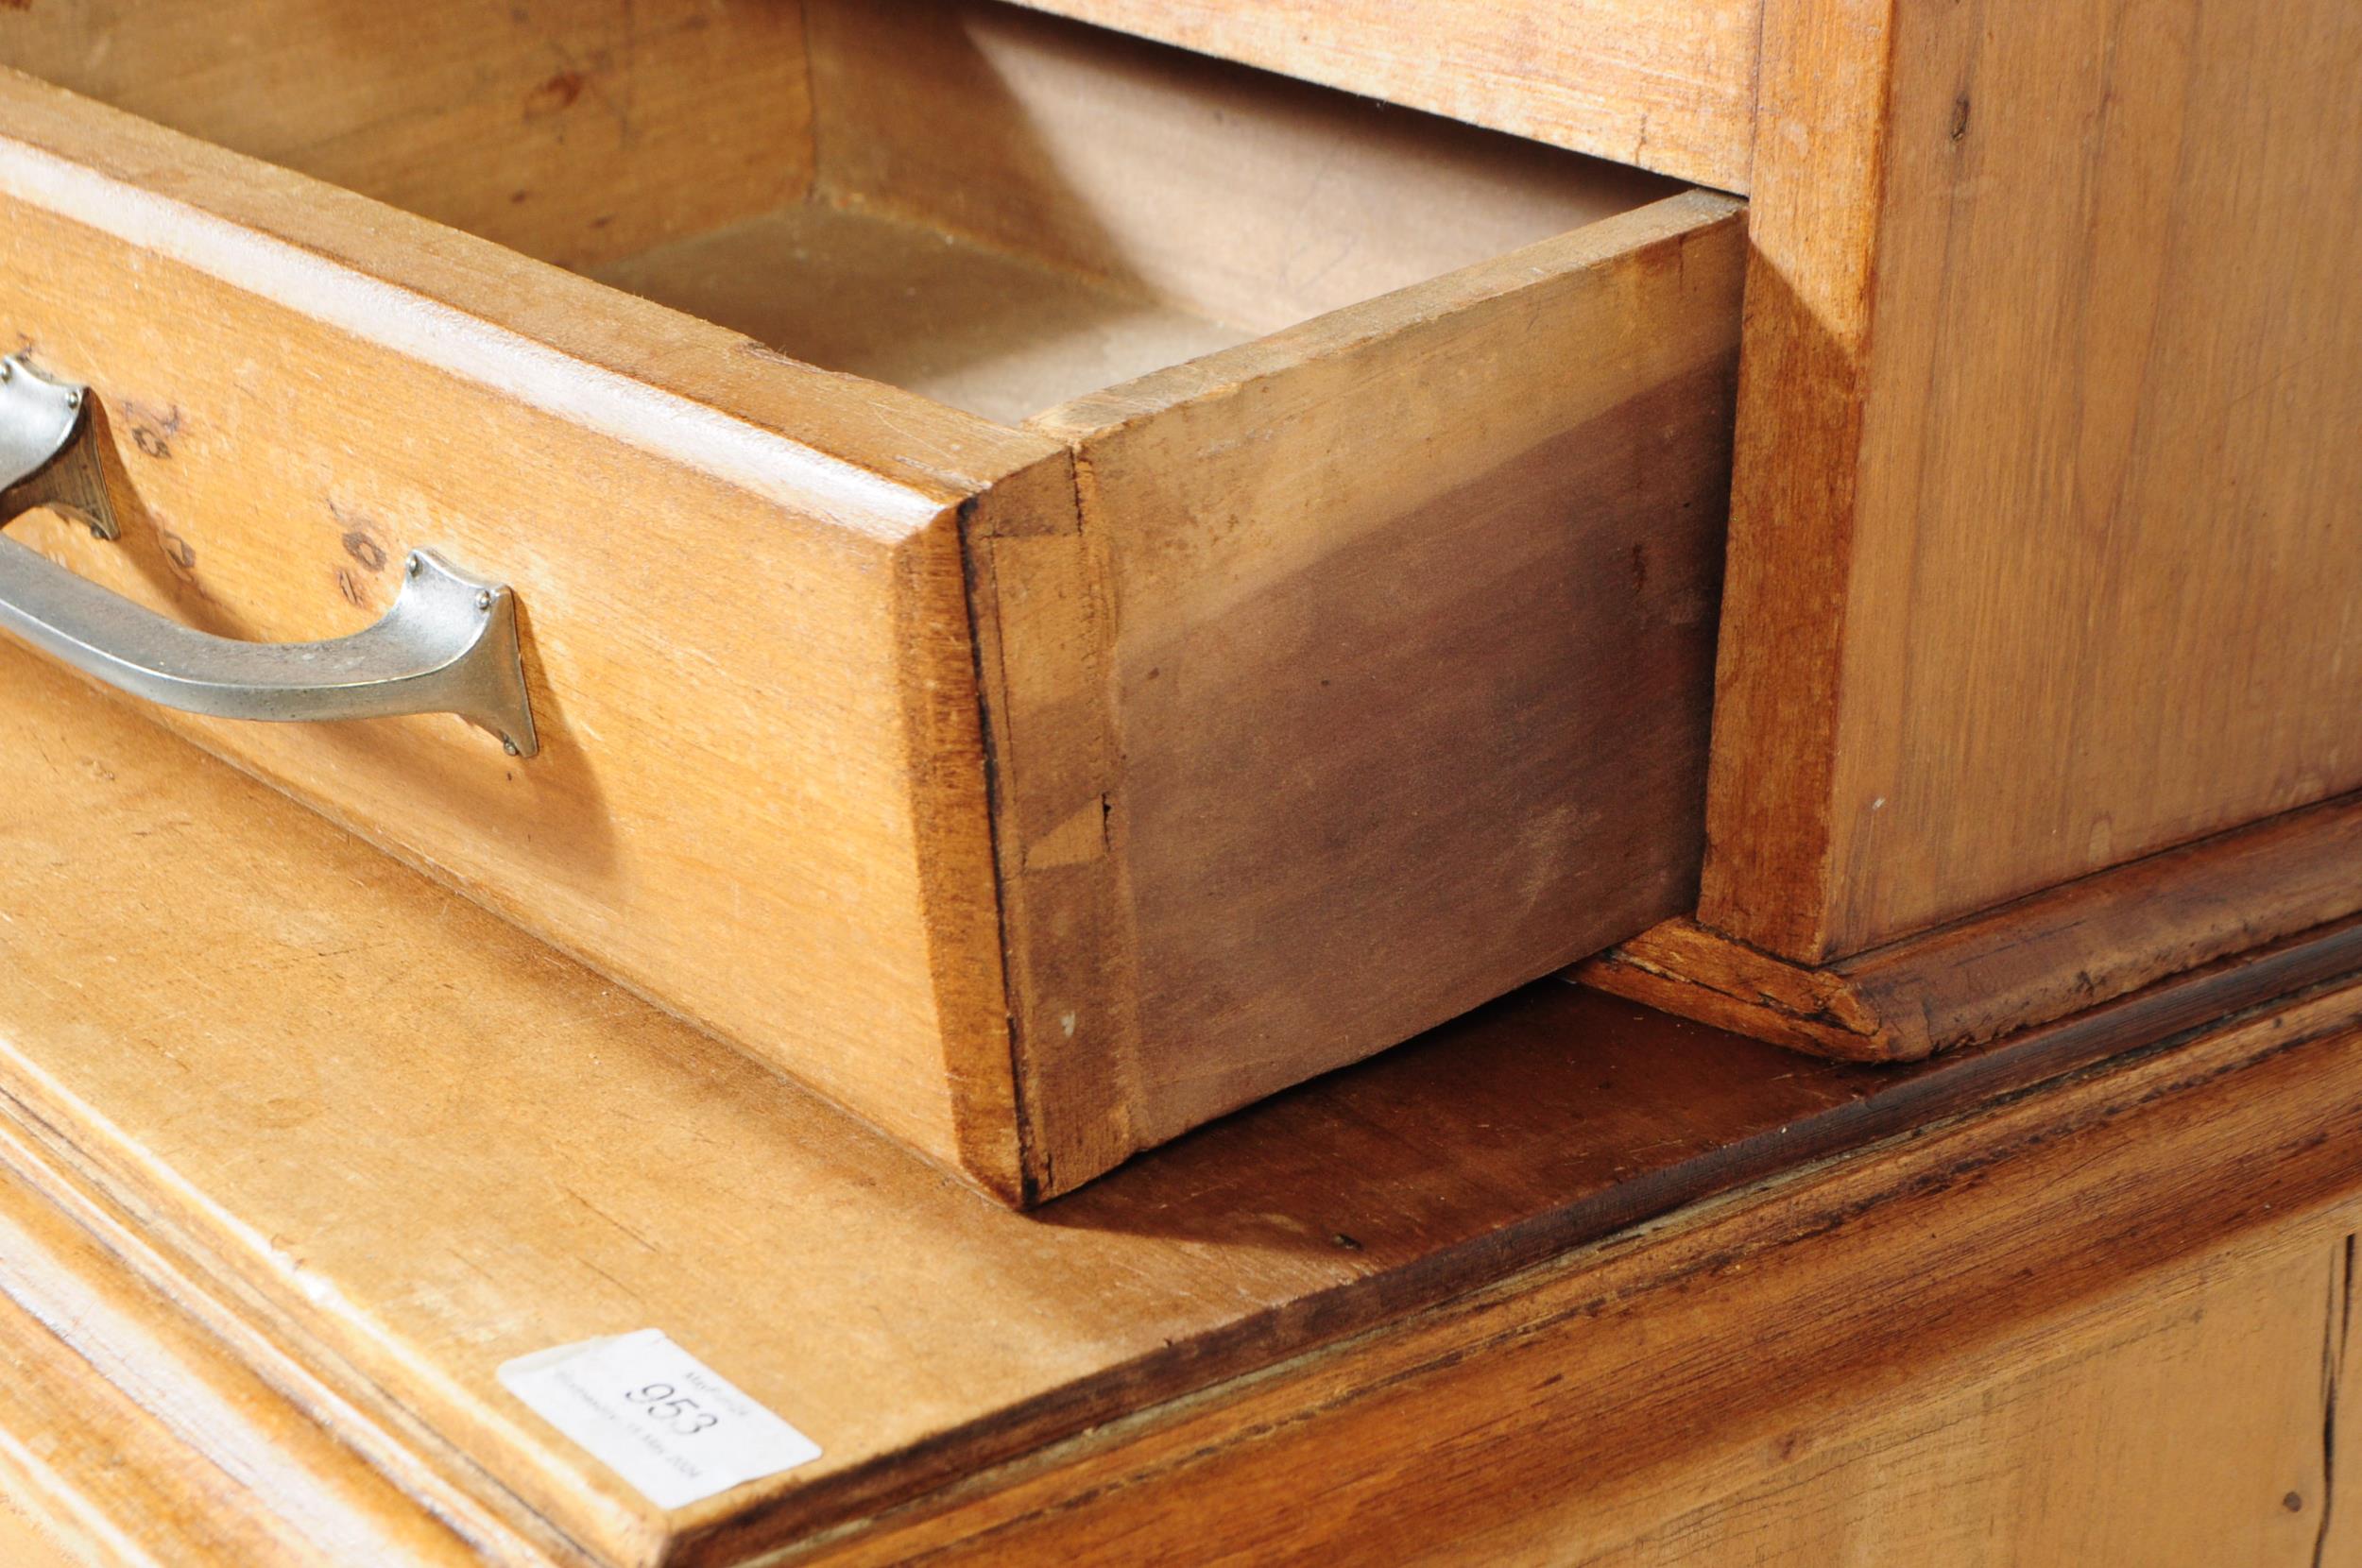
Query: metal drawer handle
{"points": [[448, 645]]}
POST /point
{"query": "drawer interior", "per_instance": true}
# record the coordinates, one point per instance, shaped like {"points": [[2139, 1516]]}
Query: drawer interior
{"points": [[991, 207]]}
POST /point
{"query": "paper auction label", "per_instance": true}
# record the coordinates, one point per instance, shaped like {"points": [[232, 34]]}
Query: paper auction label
{"points": [[665, 1422]]}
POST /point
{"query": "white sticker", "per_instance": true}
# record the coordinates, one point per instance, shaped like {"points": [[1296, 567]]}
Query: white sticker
{"points": [[656, 1416]]}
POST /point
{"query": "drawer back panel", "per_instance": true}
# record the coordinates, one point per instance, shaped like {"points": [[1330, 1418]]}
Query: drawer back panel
{"points": [[571, 132], [1247, 198]]}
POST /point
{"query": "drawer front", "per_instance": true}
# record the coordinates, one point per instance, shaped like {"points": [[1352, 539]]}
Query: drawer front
{"points": [[760, 794]]}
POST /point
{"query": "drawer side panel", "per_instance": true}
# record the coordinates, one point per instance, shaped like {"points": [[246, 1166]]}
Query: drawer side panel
{"points": [[1410, 628]]}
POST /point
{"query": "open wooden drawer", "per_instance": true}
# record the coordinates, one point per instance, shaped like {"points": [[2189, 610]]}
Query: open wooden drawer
{"points": [[1035, 768]]}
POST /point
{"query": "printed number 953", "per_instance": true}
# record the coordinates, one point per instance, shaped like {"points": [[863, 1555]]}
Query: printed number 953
{"points": [[678, 1413]]}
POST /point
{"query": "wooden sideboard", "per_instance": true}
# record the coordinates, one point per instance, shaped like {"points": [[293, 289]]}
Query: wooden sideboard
{"points": [[1967, 1173]]}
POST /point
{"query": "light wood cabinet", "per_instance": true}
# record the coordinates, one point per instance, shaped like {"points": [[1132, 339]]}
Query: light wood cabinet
{"points": [[1072, 580]]}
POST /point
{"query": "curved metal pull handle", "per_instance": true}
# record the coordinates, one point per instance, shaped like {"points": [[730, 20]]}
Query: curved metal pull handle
{"points": [[448, 645]]}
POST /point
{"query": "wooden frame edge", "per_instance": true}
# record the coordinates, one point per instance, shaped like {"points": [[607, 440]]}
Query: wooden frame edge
{"points": [[1043, 630], [2026, 962]]}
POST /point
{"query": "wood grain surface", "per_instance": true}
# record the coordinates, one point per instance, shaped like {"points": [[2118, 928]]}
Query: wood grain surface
{"points": [[905, 301], [372, 1131], [2185, 1409], [2185, 1412], [1668, 86], [2043, 957], [2056, 566], [1010, 210], [761, 793], [1762, 1379], [1407, 660], [1238, 197], [2183, 1423], [137, 1440]]}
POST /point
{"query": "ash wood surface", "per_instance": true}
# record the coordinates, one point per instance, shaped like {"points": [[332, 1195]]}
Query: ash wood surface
{"points": [[575, 132], [477, 1149], [1665, 86], [1407, 653], [761, 791], [2025, 963], [2056, 566]]}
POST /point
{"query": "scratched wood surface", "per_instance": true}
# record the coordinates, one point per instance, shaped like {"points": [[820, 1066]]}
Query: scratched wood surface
{"points": [[481, 1150]]}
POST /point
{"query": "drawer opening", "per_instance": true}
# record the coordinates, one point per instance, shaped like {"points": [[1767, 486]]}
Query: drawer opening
{"points": [[1010, 210], [988, 206]]}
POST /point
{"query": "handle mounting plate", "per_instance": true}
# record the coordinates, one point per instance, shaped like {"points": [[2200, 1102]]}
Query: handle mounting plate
{"points": [[448, 645]]}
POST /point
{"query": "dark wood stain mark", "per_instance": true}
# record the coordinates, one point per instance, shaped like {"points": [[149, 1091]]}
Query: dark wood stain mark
{"points": [[363, 537], [558, 93], [362, 547], [181, 553], [151, 429]]}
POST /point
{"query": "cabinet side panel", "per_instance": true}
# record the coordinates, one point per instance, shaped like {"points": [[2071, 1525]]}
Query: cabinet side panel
{"points": [[2112, 493], [2059, 564]]}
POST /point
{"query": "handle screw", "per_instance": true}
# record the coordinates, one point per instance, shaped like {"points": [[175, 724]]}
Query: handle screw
{"points": [[484, 601], [410, 567], [510, 746]]}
